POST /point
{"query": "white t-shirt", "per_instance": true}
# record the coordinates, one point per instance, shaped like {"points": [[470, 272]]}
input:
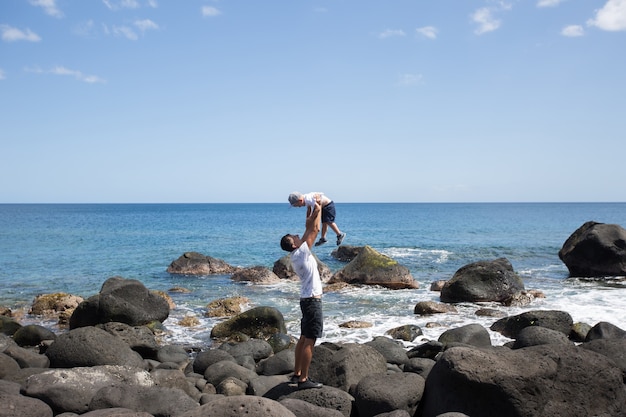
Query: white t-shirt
{"points": [[305, 265], [309, 199]]}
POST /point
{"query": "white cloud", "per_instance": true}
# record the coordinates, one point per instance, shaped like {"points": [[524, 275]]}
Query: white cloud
{"points": [[62, 71], [2, 77], [429, 31], [126, 32], [485, 20], [410, 79], [146, 24], [11, 34], [49, 7], [153, 4], [389, 33], [573, 31], [121, 4], [209, 11], [611, 17], [549, 3], [84, 29]]}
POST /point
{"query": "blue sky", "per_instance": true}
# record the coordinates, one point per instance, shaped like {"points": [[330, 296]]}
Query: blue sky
{"points": [[368, 101]]}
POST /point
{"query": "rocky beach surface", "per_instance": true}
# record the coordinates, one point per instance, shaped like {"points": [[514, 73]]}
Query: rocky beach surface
{"points": [[109, 361]]}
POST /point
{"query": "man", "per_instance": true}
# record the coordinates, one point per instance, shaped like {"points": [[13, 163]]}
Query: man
{"points": [[312, 323]]}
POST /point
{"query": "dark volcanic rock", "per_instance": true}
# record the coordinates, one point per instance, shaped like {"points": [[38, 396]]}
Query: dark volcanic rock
{"points": [[121, 300], [194, 263], [256, 274], [545, 380], [482, 281], [90, 346], [551, 319], [258, 322], [373, 268], [595, 250]]}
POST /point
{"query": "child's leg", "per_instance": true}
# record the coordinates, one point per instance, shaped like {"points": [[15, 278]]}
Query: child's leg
{"points": [[324, 230]]}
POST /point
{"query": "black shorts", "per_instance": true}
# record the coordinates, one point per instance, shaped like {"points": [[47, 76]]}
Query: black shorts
{"points": [[328, 213], [312, 323]]}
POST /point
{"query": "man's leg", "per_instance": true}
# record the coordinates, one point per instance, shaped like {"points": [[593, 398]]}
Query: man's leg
{"points": [[304, 356], [297, 370]]}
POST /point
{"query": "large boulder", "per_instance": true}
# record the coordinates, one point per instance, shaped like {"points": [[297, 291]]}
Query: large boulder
{"points": [[343, 365], [383, 393], [325, 397], [471, 334], [207, 358], [346, 253], [8, 325], [194, 263], [595, 250], [545, 380], [537, 335], [256, 275], [482, 281], [140, 338], [222, 370], [16, 405], [71, 390], [240, 405], [27, 358], [90, 346], [256, 348], [605, 330], [303, 408], [373, 268], [392, 350], [158, 401], [121, 300], [552, 319], [258, 322], [33, 335], [59, 305], [8, 365]]}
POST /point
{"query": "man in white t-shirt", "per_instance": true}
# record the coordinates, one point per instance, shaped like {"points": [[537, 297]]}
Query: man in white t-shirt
{"points": [[312, 323]]}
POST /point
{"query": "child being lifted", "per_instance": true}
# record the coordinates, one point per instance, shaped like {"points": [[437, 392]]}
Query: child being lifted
{"points": [[297, 199]]}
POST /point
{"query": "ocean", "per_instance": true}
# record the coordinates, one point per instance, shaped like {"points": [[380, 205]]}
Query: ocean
{"points": [[74, 248]]}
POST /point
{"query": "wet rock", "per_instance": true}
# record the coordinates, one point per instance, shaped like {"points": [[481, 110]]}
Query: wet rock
{"points": [[482, 281], [408, 332], [373, 268], [551, 319], [595, 250], [121, 300], [194, 263], [470, 334], [256, 275], [258, 322], [431, 307], [226, 307]]}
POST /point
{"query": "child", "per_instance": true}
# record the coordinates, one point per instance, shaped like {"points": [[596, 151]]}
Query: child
{"points": [[297, 199]]}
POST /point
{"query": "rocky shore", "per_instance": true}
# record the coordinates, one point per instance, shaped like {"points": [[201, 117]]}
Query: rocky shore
{"points": [[109, 361], [107, 364]]}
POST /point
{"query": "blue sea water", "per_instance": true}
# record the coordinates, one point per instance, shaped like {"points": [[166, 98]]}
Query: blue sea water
{"points": [[74, 248]]}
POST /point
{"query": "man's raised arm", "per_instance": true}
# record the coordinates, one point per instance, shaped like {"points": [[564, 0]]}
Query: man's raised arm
{"points": [[312, 225]]}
